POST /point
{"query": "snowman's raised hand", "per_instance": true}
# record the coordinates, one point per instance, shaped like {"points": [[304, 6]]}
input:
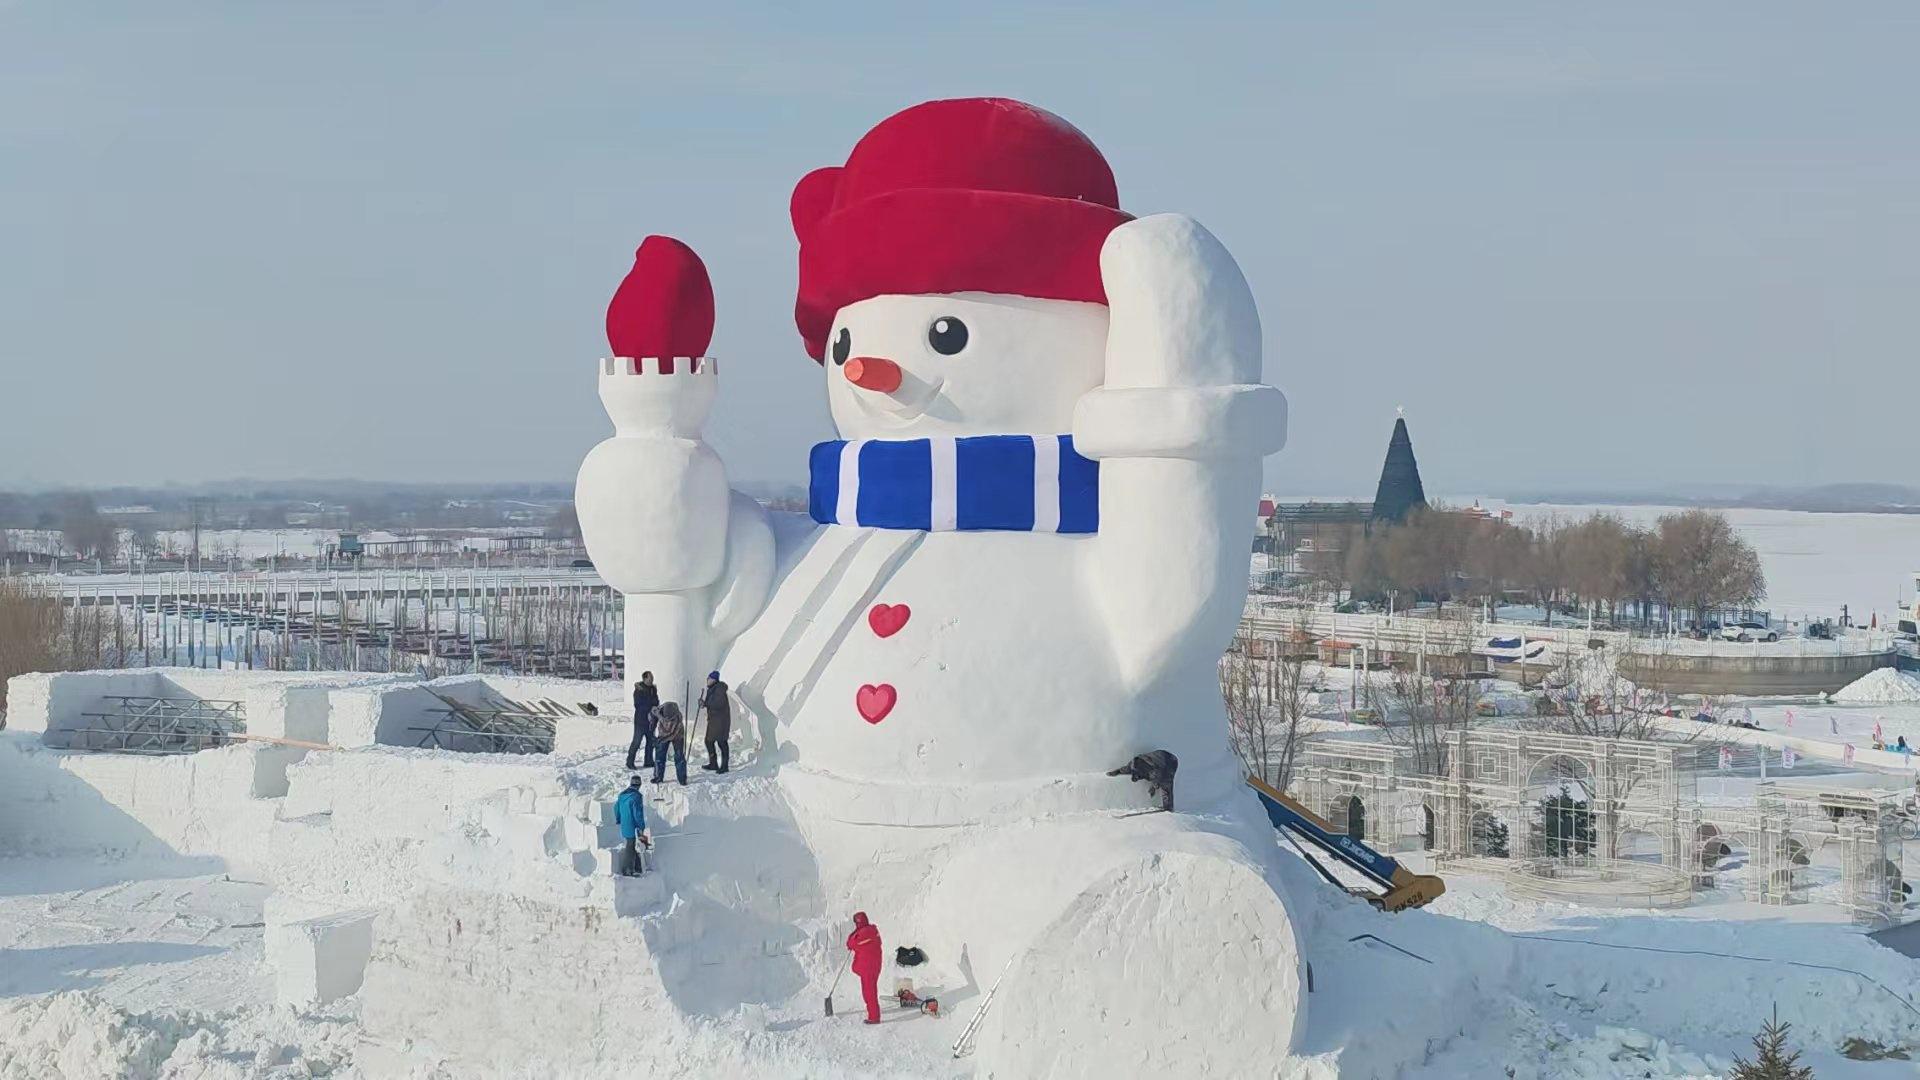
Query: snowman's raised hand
{"points": [[1183, 351], [1181, 312], [1179, 427]]}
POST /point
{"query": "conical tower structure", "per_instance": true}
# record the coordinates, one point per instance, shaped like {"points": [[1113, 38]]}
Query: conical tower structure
{"points": [[1400, 491]]}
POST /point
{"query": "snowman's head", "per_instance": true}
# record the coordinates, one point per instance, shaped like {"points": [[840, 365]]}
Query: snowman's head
{"points": [[950, 272], [902, 367]]}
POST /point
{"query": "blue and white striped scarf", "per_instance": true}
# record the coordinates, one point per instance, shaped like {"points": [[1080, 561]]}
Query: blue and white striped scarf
{"points": [[1024, 483]]}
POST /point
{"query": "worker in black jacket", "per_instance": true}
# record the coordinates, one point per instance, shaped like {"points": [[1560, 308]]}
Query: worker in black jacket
{"points": [[1156, 767], [645, 697], [719, 722]]}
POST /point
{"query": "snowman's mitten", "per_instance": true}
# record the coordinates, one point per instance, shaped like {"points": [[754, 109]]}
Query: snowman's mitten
{"points": [[1183, 351]]}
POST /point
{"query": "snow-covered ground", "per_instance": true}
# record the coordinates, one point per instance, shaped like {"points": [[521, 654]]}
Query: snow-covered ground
{"points": [[146, 968], [1600, 993], [248, 544], [716, 965], [137, 970], [1831, 722]]}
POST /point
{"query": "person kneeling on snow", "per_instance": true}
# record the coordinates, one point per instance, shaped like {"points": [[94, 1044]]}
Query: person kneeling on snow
{"points": [[1156, 767], [864, 943], [630, 811]]}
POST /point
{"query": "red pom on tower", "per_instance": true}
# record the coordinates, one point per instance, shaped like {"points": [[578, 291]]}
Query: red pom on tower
{"points": [[664, 306]]}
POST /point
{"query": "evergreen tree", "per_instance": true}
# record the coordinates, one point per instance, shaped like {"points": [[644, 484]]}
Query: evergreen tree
{"points": [[1773, 1060], [1566, 825], [1489, 836]]}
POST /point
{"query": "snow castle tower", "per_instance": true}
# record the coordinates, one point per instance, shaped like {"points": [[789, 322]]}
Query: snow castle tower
{"points": [[1025, 551]]}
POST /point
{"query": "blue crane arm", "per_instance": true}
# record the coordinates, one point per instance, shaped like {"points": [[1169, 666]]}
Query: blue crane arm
{"points": [[1290, 815]]}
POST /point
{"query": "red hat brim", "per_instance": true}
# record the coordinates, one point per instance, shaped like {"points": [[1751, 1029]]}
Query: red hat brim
{"points": [[947, 240]]}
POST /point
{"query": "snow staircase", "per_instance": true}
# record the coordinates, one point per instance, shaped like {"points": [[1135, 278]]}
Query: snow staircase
{"points": [[522, 919]]}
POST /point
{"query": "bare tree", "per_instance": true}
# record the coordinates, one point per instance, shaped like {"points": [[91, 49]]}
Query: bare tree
{"points": [[1702, 565], [1593, 699], [38, 633], [1422, 707], [1266, 691], [1693, 559], [141, 542], [1422, 556], [565, 523], [86, 532], [1593, 559], [1544, 573], [1494, 559], [1326, 560], [1641, 585]]}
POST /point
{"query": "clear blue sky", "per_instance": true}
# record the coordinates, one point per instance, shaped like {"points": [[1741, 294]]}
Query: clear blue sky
{"points": [[376, 240]]}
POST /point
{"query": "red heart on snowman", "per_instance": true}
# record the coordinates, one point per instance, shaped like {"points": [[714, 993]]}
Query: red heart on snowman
{"points": [[887, 619], [875, 702]]}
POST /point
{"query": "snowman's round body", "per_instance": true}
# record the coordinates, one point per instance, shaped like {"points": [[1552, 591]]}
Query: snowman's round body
{"points": [[953, 657]]}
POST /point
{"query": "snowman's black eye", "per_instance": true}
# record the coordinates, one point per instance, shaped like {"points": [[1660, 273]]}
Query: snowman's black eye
{"points": [[842, 346], [947, 335]]}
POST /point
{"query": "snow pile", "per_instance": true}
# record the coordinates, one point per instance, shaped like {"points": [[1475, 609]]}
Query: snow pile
{"points": [[1882, 686], [80, 1036], [1187, 906], [53, 802]]}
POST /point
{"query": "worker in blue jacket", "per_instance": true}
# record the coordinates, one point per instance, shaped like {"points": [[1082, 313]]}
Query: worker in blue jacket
{"points": [[630, 811]]}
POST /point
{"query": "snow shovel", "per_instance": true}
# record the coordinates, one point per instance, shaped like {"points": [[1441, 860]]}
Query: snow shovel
{"points": [[831, 989]]}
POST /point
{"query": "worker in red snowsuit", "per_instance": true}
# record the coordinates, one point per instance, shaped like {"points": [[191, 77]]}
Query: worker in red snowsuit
{"points": [[865, 945]]}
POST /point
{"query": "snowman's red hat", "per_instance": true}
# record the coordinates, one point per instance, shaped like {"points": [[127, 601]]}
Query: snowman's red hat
{"points": [[966, 195]]}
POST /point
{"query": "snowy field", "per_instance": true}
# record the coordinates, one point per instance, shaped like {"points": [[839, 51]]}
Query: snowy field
{"points": [[142, 963], [153, 970], [249, 544], [1656, 994]]}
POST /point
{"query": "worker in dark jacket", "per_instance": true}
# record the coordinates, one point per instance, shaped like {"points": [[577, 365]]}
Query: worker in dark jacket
{"points": [[1156, 767], [864, 943], [645, 697], [669, 733], [719, 722]]}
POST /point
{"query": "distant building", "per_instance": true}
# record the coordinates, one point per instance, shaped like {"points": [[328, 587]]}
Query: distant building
{"points": [[1481, 513], [1294, 532]]}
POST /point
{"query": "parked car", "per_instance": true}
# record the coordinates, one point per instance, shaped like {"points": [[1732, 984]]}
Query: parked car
{"points": [[1749, 631], [583, 564]]}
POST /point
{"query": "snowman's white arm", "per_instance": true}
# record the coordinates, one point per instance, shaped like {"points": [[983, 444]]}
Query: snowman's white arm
{"points": [[746, 581], [1179, 428]]}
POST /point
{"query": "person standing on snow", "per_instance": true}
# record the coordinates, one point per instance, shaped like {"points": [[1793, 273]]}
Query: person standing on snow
{"points": [[719, 722], [630, 811], [864, 943], [669, 733], [645, 697]]}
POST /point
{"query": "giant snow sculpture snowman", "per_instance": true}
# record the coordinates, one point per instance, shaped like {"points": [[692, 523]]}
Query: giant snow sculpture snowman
{"points": [[1024, 556]]}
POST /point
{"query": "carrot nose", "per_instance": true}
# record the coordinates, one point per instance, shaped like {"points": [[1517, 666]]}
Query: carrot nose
{"points": [[875, 373]]}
